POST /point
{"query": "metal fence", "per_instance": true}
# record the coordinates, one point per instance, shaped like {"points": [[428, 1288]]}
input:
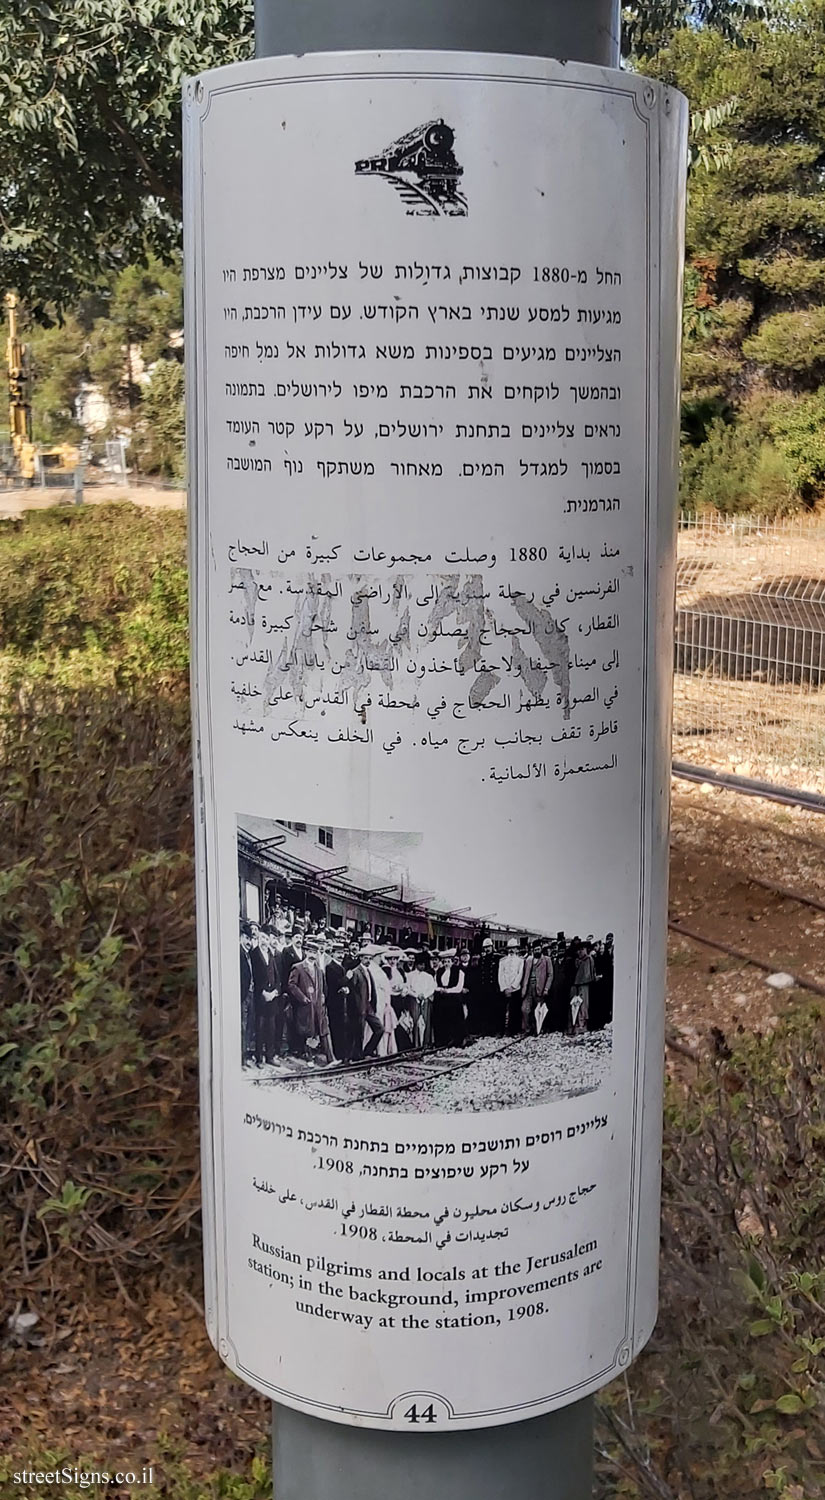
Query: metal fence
{"points": [[104, 464], [749, 690]]}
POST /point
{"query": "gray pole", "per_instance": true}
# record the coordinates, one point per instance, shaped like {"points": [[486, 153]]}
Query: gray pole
{"points": [[550, 1457]]}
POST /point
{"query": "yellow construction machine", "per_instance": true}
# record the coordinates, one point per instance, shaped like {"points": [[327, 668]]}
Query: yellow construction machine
{"points": [[28, 458], [20, 412]]}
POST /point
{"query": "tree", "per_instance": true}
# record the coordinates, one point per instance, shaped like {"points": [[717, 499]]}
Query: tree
{"points": [[756, 226], [159, 441], [59, 365], [90, 172], [141, 314], [649, 26], [754, 331], [110, 339]]}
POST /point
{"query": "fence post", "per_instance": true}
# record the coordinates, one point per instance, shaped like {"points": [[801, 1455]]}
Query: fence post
{"points": [[548, 1457]]}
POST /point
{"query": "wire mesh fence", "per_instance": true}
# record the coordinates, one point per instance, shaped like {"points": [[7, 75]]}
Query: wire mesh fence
{"points": [[749, 654], [106, 464]]}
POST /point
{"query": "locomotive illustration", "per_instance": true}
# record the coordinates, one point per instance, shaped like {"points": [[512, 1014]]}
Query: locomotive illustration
{"points": [[423, 169]]}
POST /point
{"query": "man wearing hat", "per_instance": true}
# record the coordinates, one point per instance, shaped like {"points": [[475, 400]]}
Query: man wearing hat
{"points": [[485, 1017], [510, 975], [247, 995], [291, 954], [363, 1011], [601, 991], [266, 986], [337, 986], [308, 994], [450, 1004], [535, 987]]}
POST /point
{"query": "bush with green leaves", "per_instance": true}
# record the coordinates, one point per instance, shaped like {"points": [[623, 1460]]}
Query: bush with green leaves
{"points": [[94, 595], [729, 1398], [738, 467], [97, 1020], [159, 440], [798, 429], [790, 343]]}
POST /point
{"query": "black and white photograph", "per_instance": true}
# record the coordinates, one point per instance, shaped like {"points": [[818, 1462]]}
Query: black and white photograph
{"points": [[361, 985]]}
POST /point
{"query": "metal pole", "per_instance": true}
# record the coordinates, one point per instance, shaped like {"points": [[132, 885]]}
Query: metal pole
{"points": [[550, 1457], [580, 30]]}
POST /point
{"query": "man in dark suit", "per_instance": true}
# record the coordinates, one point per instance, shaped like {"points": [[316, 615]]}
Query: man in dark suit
{"points": [[363, 1011], [308, 993], [247, 995], [535, 986], [601, 991], [484, 1002], [337, 985], [266, 986], [558, 1001], [289, 956]]}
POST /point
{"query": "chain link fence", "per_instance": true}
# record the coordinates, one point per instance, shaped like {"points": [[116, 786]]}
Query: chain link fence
{"points": [[749, 688], [103, 464]]}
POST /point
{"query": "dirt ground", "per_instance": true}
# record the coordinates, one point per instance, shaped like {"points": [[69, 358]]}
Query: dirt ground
{"points": [[14, 502], [723, 843], [142, 1383]]}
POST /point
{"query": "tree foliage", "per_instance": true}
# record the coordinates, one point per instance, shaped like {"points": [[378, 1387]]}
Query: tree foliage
{"points": [[160, 436], [59, 365], [143, 309], [649, 26], [755, 306], [130, 325], [90, 173]]}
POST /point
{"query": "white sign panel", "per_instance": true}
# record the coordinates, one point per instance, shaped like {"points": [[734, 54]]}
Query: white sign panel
{"points": [[431, 334]]}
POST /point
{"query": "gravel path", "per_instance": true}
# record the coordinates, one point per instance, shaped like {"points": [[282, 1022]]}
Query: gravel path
{"points": [[487, 1075]]}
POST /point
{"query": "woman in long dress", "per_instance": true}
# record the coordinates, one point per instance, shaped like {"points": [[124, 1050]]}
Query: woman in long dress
{"points": [[421, 988], [387, 1045]]}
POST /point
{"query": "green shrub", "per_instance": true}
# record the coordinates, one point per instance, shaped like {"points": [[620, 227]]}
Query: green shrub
{"points": [[97, 1021], [97, 973], [100, 591], [159, 442], [739, 464], [789, 342], [798, 427], [719, 473], [729, 1398]]}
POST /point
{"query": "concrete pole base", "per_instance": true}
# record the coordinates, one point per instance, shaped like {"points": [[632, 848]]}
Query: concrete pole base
{"points": [[547, 1458]]}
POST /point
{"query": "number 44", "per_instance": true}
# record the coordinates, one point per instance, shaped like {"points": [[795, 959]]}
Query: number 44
{"points": [[412, 1414]]}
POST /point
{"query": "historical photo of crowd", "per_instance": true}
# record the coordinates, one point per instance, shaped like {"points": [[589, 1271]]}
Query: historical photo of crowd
{"points": [[359, 988]]}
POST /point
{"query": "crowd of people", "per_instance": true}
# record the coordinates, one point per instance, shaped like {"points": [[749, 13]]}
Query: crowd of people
{"points": [[327, 997]]}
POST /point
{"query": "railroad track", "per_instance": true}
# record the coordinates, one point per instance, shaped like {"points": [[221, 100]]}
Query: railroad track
{"points": [[753, 823], [429, 1075], [801, 981], [771, 792], [405, 1070], [745, 876]]}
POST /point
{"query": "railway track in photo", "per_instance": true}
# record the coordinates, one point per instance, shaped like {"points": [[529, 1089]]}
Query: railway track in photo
{"points": [[483, 1075], [406, 1069]]}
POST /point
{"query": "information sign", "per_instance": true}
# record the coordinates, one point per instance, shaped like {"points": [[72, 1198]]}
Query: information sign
{"points": [[432, 314]]}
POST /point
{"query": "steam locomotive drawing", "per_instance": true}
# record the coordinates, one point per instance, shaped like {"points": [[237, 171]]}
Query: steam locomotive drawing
{"points": [[423, 169]]}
